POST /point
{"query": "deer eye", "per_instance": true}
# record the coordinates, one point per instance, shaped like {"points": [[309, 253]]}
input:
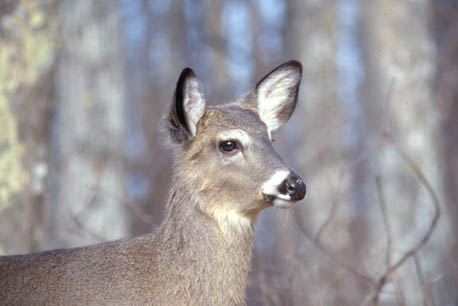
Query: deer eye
{"points": [[229, 146]]}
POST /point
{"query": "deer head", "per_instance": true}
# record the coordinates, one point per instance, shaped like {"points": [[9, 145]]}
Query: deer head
{"points": [[225, 153]]}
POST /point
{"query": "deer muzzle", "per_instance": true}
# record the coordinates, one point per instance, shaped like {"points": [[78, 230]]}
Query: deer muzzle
{"points": [[294, 186]]}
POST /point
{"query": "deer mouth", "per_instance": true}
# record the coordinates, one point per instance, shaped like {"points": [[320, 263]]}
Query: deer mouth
{"points": [[278, 200]]}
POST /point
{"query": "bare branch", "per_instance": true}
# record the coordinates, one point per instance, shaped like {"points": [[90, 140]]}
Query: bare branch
{"points": [[391, 269], [435, 219], [386, 224], [82, 230], [421, 277], [334, 257], [400, 293], [431, 292], [139, 213], [378, 284], [332, 212]]}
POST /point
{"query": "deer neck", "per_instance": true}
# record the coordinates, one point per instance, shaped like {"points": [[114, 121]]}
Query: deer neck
{"points": [[220, 258], [193, 228]]}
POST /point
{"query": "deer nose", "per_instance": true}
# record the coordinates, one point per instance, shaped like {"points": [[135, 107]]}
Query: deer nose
{"points": [[294, 186]]}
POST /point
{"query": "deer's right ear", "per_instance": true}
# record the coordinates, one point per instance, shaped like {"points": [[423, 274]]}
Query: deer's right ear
{"points": [[188, 106]]}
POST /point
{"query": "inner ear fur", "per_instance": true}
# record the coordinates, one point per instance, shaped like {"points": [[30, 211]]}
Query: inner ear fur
{"points": [[187, 107], [276, 94]]}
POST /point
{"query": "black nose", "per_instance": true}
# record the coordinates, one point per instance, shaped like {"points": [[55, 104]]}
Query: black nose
{"points": [[294, 186]]}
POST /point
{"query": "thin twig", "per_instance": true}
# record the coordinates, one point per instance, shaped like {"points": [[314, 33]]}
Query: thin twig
{"points": [[298, 267], [138, 212], [334, 257], [327, 221], [421, 278], [391, 269], [431, 292], [434, 220], [400, 293], [386, 224], [333, 211], [83, 230]]}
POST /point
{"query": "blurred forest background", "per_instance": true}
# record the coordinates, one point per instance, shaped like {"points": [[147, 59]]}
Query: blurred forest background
{"points": [[84, 85]]}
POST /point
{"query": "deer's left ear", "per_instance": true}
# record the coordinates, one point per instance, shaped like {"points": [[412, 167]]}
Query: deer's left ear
{"points": [[277, 94]]}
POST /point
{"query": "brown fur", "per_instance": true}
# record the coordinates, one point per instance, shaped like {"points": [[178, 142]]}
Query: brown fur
{"points": [[201, 253]]}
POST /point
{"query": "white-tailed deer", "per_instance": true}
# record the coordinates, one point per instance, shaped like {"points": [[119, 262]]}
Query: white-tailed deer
{"points": [[225, 172]]}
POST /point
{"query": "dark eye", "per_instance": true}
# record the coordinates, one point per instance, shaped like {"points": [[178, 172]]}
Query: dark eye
{"points": [[228, 146]]}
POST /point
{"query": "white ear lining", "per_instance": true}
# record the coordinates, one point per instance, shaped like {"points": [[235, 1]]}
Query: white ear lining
{"points": [[274, 94], [194, 103]]}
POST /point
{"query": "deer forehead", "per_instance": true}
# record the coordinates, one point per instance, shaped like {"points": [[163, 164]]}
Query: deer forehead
{"points": [[228, 121], [238, 134]]}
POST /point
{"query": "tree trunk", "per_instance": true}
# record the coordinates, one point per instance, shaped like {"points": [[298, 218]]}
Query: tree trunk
{"points": [[27, 33], [400, 56], [87, 200]]}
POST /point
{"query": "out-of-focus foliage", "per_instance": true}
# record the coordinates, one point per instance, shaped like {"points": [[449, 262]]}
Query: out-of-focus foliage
{"points": [[27, 39]]}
